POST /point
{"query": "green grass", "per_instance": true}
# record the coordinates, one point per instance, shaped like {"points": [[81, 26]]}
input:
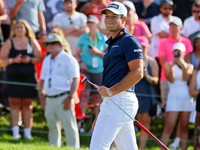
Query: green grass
{"points": [[40, 137]]}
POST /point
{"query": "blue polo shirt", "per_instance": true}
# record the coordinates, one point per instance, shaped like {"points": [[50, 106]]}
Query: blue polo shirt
{"points": [[121, 50]]}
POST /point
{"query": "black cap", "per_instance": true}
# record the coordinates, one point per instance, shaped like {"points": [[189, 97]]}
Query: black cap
{"points": [[166, 2]]}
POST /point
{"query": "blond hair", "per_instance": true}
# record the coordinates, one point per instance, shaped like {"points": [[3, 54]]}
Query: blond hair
{"points": [[29, 33], [60, 32]]}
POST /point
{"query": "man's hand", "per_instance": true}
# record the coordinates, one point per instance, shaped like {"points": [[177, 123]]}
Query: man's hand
{"points": [[67, 103], [104, 91]]}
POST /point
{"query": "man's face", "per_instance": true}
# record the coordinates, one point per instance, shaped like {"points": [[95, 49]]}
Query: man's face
{"points": [[70, 6], [174, 29], [53, 47], [166, 10], [113, 22], [195, 12]]}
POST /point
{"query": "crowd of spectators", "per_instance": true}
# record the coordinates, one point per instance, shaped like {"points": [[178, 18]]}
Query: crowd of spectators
{"points": [[169, 31]]}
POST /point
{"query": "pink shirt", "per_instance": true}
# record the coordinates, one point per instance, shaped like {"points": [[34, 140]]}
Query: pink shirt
{"points": [[140, 28], [165, 48]]}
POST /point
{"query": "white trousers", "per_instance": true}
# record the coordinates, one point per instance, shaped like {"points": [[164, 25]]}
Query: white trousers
{"points": [[55, 116], [114, 125]]}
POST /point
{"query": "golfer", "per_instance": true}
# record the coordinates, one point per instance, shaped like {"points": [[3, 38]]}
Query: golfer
{"points": [[123, 68]]}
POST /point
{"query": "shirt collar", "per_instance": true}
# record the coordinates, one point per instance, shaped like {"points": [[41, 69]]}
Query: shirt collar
{"points": [[179, 40], [121, 32], [59, 54], [98, 35]]}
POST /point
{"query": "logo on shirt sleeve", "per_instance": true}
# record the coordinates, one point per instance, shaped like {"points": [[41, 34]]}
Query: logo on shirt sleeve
{"points": [[137, 50]]}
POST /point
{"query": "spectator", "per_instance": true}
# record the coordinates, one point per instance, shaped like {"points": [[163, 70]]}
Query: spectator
{"points": [[90, 53], [194, 89], [146, 10], [71, 22], [5, 23], [31, 11], [179, 102], [194, 57], [165, 52], [19, 53], [94, 8], [191, 24], [146, 86], [134, 27], [53, 7], [59, 80], [160, 26]]}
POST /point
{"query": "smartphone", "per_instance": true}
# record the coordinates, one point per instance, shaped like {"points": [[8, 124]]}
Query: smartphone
{"points": [[90, 46], [24, 56], [176, 54]]}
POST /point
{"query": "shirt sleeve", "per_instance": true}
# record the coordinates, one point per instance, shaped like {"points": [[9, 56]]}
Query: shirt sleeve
{"points": [[73, 68], [189, 47], [145, 29], [133, 49], [155, 26], [83, 20], [161, 49], [56, 21], [41, 6]]}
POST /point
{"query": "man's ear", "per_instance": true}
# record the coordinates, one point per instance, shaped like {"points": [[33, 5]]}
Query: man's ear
{"points": [[124, 19]]}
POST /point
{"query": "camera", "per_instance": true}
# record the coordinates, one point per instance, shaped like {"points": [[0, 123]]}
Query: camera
{"points": [[176, 54]]}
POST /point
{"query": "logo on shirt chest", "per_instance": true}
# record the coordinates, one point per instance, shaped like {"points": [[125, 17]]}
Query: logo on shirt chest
{"points": [[115, 46]]}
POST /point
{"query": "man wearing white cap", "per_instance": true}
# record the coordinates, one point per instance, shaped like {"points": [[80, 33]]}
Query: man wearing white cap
{"points": [[123, 68], [179, 101], [59, 80]]}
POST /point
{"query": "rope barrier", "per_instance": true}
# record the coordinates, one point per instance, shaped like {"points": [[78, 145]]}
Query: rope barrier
{"points": [[90, 90]]}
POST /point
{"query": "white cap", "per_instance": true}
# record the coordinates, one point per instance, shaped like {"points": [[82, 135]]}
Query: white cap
{"points": [[177, 21], [117, 8], [179, 46], [129, 4], [93, 18]]}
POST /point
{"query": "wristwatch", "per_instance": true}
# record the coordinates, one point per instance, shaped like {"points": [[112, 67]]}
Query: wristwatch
{"points": [[70, 97]]}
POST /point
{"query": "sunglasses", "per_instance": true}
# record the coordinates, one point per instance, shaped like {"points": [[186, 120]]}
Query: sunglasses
{"points": [[195, 11], [70, 19], [165, 8], [52, 43]]}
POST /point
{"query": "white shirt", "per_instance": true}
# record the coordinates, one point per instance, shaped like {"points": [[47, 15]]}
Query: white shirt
{"points": [[63, 20], [61, 70], [190, 26], [158, 24]]}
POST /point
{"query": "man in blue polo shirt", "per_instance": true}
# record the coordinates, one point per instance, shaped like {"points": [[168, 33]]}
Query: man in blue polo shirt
{"points": [[123, 68]]}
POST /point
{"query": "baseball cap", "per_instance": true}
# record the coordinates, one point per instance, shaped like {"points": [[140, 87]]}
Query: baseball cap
{"points": [[117, 8], [129, 4], [144, 41], [53, 37], [177, 21], [179, 46], [166, 2], [93, 18]]}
